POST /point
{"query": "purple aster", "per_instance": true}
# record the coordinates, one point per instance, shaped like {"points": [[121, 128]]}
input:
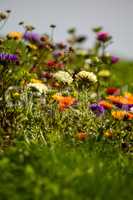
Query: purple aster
{"points": [[57, 53], [126, 107], [97, 109], [102, 36], [8, 57], [114, 59], [32, 37]]}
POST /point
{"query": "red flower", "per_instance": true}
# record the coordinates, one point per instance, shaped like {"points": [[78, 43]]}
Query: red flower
{"points": [[51, 63], [113, 91]]}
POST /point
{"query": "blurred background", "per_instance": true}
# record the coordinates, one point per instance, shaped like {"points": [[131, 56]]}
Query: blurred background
{"points": [[114, 15]]}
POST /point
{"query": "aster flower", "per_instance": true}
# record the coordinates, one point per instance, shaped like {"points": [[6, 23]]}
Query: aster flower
{"points": [[64, 102], [8, 57], [63, 77], [114, 59], [97, 109], [86, 76], [32, 37], [103, 36], [58, 53], [40, 87], [113, 91], [105, 104], [120, 115]]}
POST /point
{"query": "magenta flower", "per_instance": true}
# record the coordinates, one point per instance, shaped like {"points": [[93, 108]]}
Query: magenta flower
{"points": [[114, 59], [102, 36]]}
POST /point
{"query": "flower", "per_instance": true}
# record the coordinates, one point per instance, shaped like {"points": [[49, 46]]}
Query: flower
{"points": [[3, 15], [130, 115], [64, 102], [36, 81], [120, 115], [121, 100], [32, 37], [105, 104], [82, 136], [108, 134], [117, 99], [89, 76], [54, 64], [114, 59], [102, 36], [38, 86], [104, 73], [113, 91], [97, 109], [8, 57], [32, 46], [63, 77], [58, 53], [15, 35]]}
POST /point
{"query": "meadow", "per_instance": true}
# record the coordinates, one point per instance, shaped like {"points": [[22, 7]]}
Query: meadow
{"points": [[66, 117]]}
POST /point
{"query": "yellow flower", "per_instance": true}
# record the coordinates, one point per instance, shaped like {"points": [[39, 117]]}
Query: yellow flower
{"points": [[15, 35], [32, 46], [119, 114], [36, 81], [108, 134], [104, 73]]}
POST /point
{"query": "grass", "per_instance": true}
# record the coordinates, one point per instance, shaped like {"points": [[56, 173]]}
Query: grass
{"points": [[85, 171], [123, 71]]}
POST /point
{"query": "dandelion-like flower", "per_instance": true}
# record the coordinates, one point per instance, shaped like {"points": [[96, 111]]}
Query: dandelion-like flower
{"points": [[87, 76], [63, 77]]}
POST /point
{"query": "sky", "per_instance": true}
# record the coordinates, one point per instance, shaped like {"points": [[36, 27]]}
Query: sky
{"points": [[114, 15]]}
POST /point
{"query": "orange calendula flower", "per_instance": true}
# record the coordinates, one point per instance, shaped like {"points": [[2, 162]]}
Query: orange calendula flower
{"points": [[118, 99], [64, 102], [119, 114], [82, 136], [130, 115], [15, 35], [106, 104], [129, 97]]}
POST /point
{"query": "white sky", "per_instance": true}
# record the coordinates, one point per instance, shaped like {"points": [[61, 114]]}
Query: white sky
{"points": [[116, 16]]}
